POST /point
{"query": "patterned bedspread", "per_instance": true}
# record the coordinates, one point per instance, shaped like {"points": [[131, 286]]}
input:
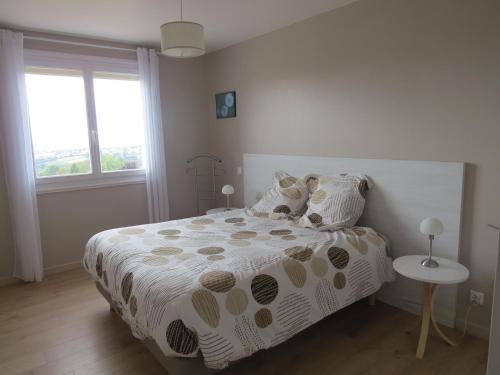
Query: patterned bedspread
{"points": [[230, 284]]}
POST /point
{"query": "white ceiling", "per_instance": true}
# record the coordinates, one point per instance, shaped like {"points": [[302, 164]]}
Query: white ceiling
{"points": [[226, 21]]}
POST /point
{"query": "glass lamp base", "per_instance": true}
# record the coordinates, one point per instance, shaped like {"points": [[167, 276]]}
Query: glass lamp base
{"points": [[429, 262]]}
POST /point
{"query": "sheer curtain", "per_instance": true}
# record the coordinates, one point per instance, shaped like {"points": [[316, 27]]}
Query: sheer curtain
{"points": [[156, 173], [18, 158]]}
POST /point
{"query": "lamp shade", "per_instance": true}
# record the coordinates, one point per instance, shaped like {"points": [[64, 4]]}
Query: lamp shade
{"points": [[431, 226], [182, 39], [227, 190]]}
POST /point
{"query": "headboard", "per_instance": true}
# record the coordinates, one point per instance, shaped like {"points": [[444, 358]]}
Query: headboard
{"points": [[405, 192]]}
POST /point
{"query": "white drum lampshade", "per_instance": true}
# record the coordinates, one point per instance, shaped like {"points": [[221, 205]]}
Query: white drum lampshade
{"points": [[432, 227], [182, 39]]}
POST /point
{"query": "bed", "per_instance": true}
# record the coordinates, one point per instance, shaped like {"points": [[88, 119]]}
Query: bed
{"points": [[218, 288], [226, 285]]}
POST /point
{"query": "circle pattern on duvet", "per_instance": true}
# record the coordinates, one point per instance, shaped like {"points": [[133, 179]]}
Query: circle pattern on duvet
{"points": [[318, 196], [210, 250], [312, 184], [169, 232], [218, 281], [301, 253], [203, 221], [215, 257], [155, 261], [127, 283], [133, 306], [180, 338], [240, 243], [240, 224], [236, 301], [264, 289], [289, 237], [292, 193], [98, 264], [207, 307], [195, 227], [287, 182], [280, 232], [338, 257], [263, 318], [315, 218], [243, 235], [339, 280], [295, 272], [319, 266], [233, 220], [283, 209], [118, 238], [105, 278], [171, 237], [167, 250], [131, 231]]}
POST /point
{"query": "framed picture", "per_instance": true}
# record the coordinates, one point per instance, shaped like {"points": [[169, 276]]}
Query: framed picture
{"points": [[225, 104]]}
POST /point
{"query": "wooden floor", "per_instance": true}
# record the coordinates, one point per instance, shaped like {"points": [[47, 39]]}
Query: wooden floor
{"points": [[63, 326]]}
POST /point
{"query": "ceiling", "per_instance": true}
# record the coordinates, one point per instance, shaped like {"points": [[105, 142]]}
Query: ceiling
{"points": [[226, 22]]}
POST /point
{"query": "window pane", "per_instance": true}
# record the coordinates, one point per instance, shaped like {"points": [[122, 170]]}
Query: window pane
{"points": [[120, 122], [58, 120]]}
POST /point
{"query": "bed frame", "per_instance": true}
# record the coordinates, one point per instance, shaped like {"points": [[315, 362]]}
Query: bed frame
{"points": [[404, 193]]}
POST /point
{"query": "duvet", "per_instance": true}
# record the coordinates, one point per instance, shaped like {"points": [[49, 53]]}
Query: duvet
{"points": [[231, 284]]}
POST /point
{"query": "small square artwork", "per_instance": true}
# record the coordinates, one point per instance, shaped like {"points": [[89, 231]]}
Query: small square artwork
{"points": [[225, 104]]}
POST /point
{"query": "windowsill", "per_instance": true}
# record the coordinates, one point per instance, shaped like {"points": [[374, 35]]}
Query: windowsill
{"points": [[75, 183]]}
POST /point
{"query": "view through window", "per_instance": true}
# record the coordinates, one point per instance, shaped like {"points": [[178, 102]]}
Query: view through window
{"points": [[58, 119], [64, 140], [119, 121]]}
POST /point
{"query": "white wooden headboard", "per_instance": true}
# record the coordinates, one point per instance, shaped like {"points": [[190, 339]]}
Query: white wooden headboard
{"points": [[405, 192]]}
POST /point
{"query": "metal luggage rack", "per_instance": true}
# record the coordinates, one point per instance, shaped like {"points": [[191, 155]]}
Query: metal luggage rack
{"points": [[205, 192]]}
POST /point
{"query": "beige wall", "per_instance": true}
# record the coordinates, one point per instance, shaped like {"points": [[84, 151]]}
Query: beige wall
{"points": [[68, 219], [183, 95], [389, 79]]}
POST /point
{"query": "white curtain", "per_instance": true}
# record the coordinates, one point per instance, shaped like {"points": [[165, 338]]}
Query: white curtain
{"points": [[18, 158], [156, 173]]}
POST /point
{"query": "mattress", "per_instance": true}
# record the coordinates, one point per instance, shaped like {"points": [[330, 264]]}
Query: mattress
{"points": [[230, 284]]}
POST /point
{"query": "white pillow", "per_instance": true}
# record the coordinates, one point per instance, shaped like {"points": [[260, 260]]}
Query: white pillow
{"points": [[286, 196], [334, 202]]}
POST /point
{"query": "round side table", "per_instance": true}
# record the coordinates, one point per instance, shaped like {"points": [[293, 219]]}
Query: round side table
{"points": [[448, 272]]}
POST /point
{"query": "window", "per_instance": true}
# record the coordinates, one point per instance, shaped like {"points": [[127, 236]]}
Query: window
{"points": [[58, 118], [86, 119], [119, 121]]}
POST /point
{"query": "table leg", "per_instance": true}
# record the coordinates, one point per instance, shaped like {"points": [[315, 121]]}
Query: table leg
{"points": [[427, 290], [433, 319]]}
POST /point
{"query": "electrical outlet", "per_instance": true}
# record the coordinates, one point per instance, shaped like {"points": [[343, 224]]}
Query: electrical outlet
{"points": [[476, 298]]}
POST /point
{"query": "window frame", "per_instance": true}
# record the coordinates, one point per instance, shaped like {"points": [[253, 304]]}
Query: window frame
{"points": [[88, 65]]}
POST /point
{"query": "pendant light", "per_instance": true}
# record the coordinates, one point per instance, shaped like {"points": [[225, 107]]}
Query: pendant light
{"points": [[182, 39]]}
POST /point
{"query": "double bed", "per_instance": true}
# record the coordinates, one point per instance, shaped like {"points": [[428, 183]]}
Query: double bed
{"points": [[229, 284], [207, 291]]}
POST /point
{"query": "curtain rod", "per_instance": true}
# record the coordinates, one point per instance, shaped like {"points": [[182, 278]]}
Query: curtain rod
{"points": [[83, 44]]}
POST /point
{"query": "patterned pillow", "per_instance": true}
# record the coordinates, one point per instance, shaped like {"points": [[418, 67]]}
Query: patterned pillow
{"points": [[286, 196], [335, 202]]}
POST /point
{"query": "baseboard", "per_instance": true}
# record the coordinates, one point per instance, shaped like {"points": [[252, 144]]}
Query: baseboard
{"points": [[62, 268], [474, 329]]}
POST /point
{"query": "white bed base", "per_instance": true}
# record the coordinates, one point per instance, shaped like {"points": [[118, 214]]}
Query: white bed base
{"points": [[405, 192]]}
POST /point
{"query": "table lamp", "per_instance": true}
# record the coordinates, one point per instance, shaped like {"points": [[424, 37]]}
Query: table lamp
{"points": [[432, 227], [227, 190]]}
